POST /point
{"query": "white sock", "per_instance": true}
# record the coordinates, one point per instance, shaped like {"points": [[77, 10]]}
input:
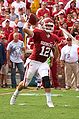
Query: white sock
{"points": [[48, 97], [16, 92]]}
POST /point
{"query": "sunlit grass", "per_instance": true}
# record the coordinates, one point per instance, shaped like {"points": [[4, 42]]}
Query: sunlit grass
{"points": [[34, 106]]}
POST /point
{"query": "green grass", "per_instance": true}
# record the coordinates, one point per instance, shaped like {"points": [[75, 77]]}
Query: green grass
{"points": [[66, 105]]}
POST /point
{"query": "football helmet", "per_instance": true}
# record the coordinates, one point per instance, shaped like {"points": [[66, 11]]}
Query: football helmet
{"points": [[47, 25]]}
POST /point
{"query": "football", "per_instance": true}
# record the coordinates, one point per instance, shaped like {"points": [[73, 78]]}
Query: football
{"points": [[33, 19]]}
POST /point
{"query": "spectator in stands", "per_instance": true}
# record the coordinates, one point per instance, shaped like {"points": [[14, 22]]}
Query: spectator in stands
{"points": [[75, 29], [56, 23], [21, 13], [4, 68], [60, 33], [7, 18], [61, 17], [7, 11], [15, 30], [15, 58], [61, 5], [50, 4], [2, 14], [56, 10], [16, 21], [68, 4], [20, 24], [69, 22], [72, 7], [74, 16], [2, 54], [13, 15], [18, 4], [43, 11], [7, 29]]}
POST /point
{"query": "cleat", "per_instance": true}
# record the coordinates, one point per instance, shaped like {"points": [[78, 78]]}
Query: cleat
{"points": [[13, 100], [50, 104], [67, 87]]}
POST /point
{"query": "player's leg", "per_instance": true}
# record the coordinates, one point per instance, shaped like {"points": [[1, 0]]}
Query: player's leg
{"points": [[15, 94], [43, 71], [46, 85], [29, 73]]}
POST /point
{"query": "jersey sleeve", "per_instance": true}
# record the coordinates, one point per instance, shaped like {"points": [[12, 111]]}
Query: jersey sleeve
{"points": [[37, 37]]}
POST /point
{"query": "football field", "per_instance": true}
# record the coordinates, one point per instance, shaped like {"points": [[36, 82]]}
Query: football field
{"points": [[31, 104]]}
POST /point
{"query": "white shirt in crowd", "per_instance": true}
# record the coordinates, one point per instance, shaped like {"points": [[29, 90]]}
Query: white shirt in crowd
{"points": [[18, 5], [16, 51], [69, 53]]}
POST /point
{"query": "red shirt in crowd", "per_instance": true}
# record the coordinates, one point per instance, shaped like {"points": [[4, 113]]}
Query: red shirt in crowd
{"points": [[41, 12], [50, 6], [7, 31], [10, 38]]}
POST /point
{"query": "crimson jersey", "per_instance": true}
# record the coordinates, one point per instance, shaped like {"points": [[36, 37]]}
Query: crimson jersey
{"points": [[42, 45]]}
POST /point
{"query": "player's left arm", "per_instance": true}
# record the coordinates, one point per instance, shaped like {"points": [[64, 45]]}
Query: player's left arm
{"points": [[51, 58]]}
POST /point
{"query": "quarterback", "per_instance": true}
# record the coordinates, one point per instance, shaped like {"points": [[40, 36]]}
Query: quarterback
{"points": [[37, 62]]}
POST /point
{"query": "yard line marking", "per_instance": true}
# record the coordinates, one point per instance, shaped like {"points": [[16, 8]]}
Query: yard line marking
{"points": [[38, 94], [31, 94], [22, 104], [6, 93], [66, 105]]}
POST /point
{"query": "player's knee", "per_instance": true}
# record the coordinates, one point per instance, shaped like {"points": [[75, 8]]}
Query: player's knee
{"points": [[46, 82]]}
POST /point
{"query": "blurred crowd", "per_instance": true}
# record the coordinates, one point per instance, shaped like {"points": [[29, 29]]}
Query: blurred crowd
{"points": [[15, 13]]}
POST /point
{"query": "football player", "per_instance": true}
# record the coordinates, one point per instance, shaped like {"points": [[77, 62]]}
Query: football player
{"points": [[37, 61]]}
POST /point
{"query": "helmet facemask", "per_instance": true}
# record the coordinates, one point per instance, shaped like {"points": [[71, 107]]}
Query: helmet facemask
{"points": [[47, 25]]}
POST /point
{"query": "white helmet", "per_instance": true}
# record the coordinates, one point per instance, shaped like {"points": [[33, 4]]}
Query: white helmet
{"points": [[47, 25]]}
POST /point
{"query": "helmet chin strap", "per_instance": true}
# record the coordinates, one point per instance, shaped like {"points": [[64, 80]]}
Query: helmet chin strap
{"points": [[48, 31]]}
